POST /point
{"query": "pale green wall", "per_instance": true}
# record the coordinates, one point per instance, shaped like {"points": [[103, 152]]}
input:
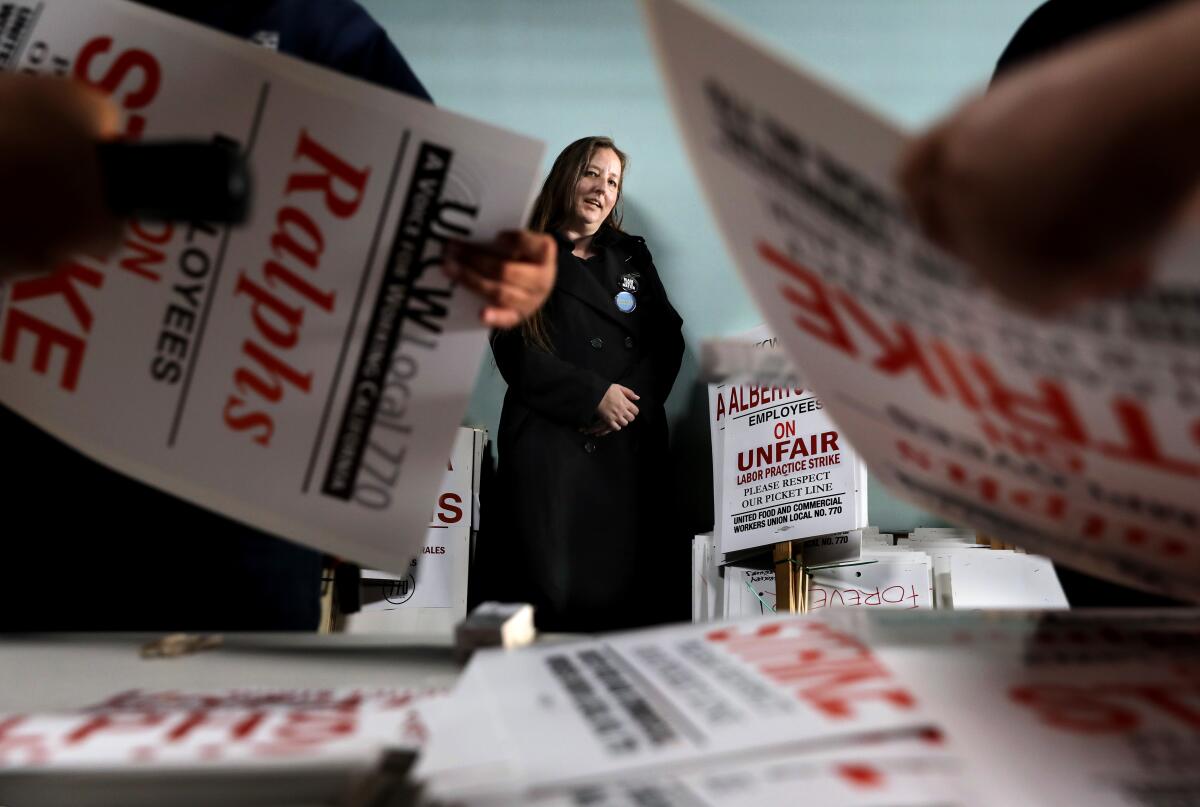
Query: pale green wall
{"points": [[562, 69]]}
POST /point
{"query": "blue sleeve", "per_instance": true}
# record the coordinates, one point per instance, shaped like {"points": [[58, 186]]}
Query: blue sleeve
{"points": [[340, 34]]}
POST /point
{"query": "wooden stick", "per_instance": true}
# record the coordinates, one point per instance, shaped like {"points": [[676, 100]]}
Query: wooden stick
{"points": [[801, 580], [785, 578]]}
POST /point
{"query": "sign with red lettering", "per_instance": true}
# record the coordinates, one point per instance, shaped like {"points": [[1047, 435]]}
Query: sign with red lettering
{"points": [[304, 373], [783, 471], [1090, 708], [1077, 438], [789, 473], [1101, 709], [687, 694], [172, 729], [437, 578]]}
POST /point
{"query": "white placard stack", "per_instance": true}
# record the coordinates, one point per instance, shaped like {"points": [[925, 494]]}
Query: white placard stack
{"points": [[432, 597]]}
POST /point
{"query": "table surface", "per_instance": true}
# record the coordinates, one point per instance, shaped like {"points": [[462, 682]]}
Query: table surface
{"points": [[67, 671]]}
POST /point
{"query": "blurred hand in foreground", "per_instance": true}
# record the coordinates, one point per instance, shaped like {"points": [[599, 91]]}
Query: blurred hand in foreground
{"points": [[1060, 183], [514, 274], [53, 202]]}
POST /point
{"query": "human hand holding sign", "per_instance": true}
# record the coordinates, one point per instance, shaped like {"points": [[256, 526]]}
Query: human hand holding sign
{"points": [[514, 274], [1061, 182], [53, 205]]}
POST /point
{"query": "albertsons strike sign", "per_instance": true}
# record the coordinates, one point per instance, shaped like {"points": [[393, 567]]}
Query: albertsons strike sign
{"points": [[786, 471]]}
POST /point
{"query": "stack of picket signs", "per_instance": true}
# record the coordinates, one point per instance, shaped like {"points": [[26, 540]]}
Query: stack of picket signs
{"points": [[855, 707], [230, 747], [847, 707], [928, 568]]}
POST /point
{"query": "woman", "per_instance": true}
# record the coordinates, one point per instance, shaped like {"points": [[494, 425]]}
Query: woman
{"points": [[583, 476]]}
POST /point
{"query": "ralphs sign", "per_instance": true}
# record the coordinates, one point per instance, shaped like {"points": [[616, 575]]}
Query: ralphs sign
{"points": [[303, 373]]}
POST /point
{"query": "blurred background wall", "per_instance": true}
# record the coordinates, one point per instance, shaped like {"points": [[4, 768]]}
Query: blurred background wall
{"points": [[562, 69]]}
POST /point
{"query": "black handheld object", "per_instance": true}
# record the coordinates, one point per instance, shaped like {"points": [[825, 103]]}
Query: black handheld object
{"points": [[176, 180]]}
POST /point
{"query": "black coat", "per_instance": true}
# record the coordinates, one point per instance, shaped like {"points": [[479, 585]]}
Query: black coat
{"points": [[584, 521]]}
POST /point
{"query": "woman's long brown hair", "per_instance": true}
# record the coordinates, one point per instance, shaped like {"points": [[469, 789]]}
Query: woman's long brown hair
{"points": [[554, 203]]}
